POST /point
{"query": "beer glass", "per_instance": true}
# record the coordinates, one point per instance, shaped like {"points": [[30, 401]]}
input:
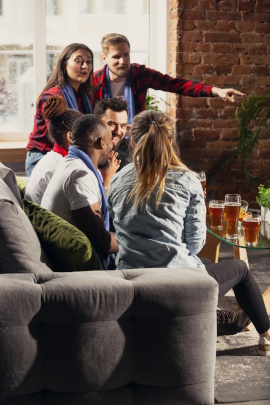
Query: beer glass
{"points": [[252, 225], [202, 177], [232, 209], [243, 209], [216, 209]]}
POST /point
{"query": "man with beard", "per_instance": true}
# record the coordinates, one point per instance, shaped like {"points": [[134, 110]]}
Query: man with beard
{"points": [[114, 111], [77, 191], [119, 77]]}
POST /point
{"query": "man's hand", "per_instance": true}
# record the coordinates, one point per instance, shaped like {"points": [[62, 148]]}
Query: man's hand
{"points": [[110, 171], [228, 94]]}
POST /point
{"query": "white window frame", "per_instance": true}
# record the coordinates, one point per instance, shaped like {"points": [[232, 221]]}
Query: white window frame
{"points": [[159, 39]]}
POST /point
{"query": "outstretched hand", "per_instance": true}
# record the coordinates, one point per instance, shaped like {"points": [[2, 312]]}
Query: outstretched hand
{"points": [[228, 94]]}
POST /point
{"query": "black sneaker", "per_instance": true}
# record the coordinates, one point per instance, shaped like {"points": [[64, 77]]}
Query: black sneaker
{"points": [[231, 322]]}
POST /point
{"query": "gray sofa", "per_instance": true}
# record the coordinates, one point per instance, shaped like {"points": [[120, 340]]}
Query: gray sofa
{"points": [[142, 336]]}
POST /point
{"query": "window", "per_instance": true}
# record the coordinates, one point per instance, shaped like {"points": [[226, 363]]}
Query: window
{"points": [[33, 34]]}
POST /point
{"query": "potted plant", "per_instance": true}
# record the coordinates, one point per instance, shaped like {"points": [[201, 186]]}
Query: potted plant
{"points": [[263, 199]]}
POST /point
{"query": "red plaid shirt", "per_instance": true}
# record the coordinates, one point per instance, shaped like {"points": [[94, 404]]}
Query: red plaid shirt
{"points": [[38, 138], [143, 78]]}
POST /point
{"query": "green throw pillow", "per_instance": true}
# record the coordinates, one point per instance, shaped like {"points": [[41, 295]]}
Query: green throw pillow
{"points": [[22, 185], [66, 246]]}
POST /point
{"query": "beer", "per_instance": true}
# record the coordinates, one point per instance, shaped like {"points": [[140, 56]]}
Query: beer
{"points": [[216, 210], [203, 183], [232, 209], [252, 227]]}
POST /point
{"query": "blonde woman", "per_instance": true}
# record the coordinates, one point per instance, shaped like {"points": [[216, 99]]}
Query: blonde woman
{"points": [[158, 211]]}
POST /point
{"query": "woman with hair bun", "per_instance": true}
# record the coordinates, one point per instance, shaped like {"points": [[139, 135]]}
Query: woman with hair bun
{"points": [[158, 211], [60, 120], [71, 79]]}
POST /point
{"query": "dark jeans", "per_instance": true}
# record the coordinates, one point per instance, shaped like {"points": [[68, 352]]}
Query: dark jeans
{"points": [[235, 274], [32, 157]]}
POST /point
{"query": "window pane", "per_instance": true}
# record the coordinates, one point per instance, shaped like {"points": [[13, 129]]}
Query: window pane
{"points": [[86, 21], [16, 65]]}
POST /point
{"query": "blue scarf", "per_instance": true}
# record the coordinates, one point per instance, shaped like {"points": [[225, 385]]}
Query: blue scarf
{"points": [[71, 101], [128, 94], [76, 153]]}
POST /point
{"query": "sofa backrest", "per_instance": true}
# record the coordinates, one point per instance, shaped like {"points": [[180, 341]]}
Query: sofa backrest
{"points": [[20, 249]]}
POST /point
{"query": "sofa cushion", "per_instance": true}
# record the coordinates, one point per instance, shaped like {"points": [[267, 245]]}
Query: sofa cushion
{"points": [[67, 247], [9, 178], [20, 249]]}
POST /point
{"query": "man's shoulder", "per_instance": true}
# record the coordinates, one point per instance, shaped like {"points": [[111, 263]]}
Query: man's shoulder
{"points": [[100, 72]]}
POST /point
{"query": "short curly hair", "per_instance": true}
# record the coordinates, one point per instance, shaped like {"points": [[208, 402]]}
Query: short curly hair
{"points": [[117, 104]]}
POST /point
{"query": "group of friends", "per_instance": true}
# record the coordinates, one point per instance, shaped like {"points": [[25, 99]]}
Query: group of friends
{"points": [[102, 162]]}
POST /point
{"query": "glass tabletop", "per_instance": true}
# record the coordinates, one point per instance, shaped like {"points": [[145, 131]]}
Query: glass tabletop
{"points": [[264, 236]]}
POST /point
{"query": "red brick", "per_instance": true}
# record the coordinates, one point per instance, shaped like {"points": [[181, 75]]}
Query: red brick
{"points": [[263, 28], [221, 144], [227, 112], [219, 15], [207, 4], [263, 6], [221, 48], [206, 134], [226, 26], [203, 47], [206, 25], [250, 38], [240, 70], [259, 49], [227, 5], [187, 25], [205, 113], [225, 123], [230, 37], [188, 68], [200, 123], [223, 69], [258, 60], [188, 46], [214, 59], [245, 26], [245, 5], [256, 17], [229, 134], [263, 81], [194, 101], [186, 4], [191, 36], [222, 81], [260, 70], [249, 79], [191, 57], [203, 69], [192, 15]]}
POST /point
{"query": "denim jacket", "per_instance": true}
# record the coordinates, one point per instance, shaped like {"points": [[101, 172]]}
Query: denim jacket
{"points": [[167, 235]]}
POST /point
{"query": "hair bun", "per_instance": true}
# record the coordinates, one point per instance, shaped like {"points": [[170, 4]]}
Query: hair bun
{"points": [[55, 106]]}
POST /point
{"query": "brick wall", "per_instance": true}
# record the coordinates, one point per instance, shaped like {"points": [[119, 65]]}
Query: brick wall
{"points": [[226, 44]]}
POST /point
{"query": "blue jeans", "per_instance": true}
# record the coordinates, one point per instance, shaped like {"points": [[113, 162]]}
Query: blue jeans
{"points": [[32, 157]]}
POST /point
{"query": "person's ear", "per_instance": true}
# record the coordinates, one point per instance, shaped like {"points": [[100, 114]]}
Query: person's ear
{"points": [[132, 143], [104, 58], [69, 137], [99, 143]]}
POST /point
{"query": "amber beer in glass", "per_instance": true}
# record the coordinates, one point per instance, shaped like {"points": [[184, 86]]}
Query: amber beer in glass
{"points": [[202, 177], [232, 209], [216, 210], [252, 227]]}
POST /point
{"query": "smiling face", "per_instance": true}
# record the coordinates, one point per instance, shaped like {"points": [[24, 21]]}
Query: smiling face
{"points": [[78, 68], [118, 61], [117, 122]]}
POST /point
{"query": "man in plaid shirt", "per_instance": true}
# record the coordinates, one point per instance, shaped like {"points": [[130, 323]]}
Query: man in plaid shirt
{"points": [[120, 78]]}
